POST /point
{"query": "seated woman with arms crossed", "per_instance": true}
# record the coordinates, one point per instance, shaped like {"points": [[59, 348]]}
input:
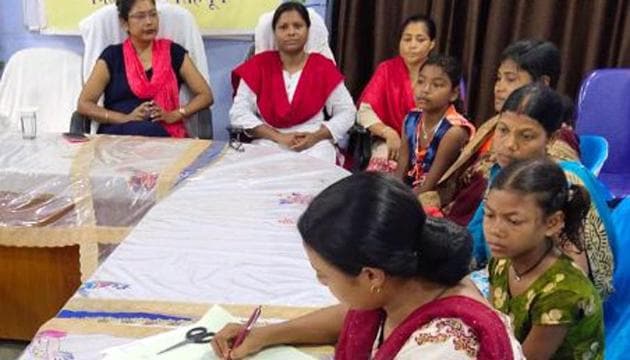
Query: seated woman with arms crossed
{"points": [[281, 95], [388, 97], [400, 278], [140, 79]]}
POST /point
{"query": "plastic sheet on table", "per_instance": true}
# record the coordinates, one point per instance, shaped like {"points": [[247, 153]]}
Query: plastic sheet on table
{"points": [[57, 193]]}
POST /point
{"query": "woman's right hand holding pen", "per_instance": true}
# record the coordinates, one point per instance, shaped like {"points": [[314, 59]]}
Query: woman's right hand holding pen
{"points": [[224, 339], [320, 327]]}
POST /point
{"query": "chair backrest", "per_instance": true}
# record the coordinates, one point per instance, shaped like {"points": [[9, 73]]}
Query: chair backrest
{"points": [[593, 152], [317, 36], [48, 79], [604, 109]]}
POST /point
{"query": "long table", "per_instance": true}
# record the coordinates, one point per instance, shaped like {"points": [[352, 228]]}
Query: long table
{"points": [[227, 236], [64, 206]]}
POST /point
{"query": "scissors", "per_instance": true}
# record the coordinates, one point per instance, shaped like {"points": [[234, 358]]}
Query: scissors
{"points": [[198, 335]]}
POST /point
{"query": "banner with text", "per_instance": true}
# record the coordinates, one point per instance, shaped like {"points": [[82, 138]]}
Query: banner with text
{"points": [[215, 17]]}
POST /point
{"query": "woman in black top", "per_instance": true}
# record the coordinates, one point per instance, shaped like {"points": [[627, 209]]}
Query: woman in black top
{"points": [[141, 79]]}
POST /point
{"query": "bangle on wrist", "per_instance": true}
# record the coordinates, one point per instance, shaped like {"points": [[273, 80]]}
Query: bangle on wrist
{"points": [[106, 116]]}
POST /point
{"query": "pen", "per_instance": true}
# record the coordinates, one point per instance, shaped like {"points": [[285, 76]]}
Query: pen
{"points": [[247, 328]]}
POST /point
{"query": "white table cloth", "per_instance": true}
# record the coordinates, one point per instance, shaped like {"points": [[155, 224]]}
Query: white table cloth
{"points": [[226, 236]]}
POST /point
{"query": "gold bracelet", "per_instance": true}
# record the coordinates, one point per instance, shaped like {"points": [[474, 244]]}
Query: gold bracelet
{"points": [[106, 116]]}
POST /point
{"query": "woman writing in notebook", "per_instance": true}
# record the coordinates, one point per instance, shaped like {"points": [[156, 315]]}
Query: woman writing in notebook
{"points": [[280, 95], [399, 277], [140, 79]]}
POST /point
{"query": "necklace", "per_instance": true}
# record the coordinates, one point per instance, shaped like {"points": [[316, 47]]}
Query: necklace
{"points": [[425, 133], [518, 276]]}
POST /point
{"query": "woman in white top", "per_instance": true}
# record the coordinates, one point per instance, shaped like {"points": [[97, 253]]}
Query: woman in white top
{"points": [[281, 95]]}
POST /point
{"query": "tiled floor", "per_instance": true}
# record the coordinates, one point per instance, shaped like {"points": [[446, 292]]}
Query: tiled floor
{"points": [[11, 350]]}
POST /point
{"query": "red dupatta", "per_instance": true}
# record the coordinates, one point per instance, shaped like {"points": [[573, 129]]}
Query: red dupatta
{"points": [[390, 93], [263, 74], [361, 327], [162, 88]]}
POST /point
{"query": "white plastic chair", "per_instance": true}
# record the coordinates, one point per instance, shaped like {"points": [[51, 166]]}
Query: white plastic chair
{"points": [[317, 35], [49, 79], [102, 28]]}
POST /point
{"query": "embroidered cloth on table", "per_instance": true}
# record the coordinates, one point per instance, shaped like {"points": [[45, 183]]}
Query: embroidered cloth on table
{"points": [[55, 193], [260, 185], [138, 319]]}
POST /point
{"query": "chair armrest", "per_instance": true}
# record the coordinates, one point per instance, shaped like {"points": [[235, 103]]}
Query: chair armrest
{"points": [[79, 124], [200, 125]]}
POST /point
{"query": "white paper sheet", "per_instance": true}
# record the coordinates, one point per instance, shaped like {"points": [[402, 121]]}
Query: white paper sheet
{"points": [[213, 320]]}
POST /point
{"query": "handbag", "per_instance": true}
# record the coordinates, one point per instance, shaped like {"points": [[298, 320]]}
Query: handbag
{"points": [[359, 147]]}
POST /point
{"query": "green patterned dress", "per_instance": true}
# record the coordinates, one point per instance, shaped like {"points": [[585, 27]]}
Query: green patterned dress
{"points": [[563, 295]]}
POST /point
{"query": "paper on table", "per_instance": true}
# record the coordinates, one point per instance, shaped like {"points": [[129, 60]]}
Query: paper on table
{"points": [[214, 320]]}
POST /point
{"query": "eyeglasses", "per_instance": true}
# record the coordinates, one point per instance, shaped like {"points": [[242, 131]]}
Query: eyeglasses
{"points": [[141, 16]]}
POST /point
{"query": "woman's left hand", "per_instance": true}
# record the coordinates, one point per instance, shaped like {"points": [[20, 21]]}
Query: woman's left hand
{"points": [[305, 140], [172, 117], [158, 114]]}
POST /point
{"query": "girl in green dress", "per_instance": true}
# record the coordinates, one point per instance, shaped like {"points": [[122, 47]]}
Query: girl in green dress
{"points": [[556, 312]]}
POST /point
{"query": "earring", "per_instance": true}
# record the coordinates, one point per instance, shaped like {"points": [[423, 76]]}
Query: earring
{"points": [[375, 289]]}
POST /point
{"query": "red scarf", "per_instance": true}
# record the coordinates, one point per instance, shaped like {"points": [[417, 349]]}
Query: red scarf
{"points": [[361, 327], [263, 74], [162, 88], [390, 93]]}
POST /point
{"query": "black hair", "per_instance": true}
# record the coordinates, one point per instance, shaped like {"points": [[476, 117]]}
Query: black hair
{"points": [[427, 21], [374, 220], [568, 118], [124, 7], [546, 181], [291, 6], [448, 260], [540, 103], [537, 57], [453, 70]]}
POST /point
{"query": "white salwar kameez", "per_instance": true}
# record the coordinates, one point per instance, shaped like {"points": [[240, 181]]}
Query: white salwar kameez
{"points": [[245, 114]]}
